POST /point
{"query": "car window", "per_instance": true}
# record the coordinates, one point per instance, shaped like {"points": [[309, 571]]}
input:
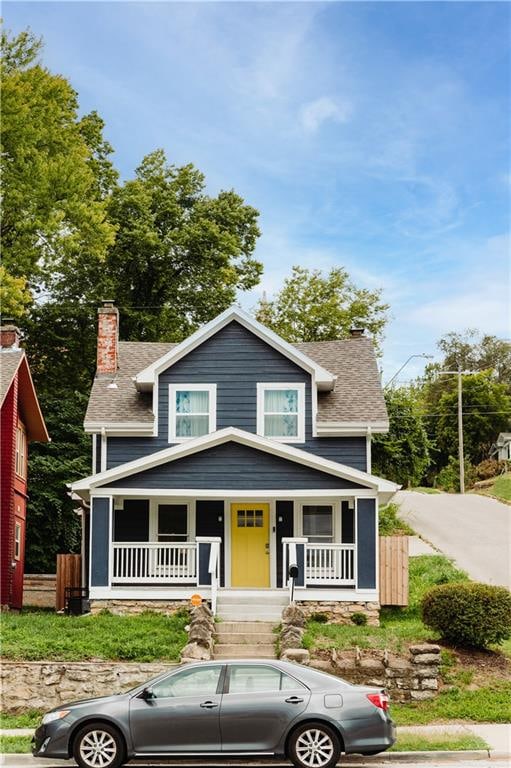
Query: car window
{"points": [[201, 681], [246, 678]]}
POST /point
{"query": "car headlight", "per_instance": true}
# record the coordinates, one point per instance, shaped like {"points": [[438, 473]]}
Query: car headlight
{"points": [[51, 716]]}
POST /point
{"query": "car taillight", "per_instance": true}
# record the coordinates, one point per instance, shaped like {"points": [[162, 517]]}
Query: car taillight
{"points": [[380, 700]]}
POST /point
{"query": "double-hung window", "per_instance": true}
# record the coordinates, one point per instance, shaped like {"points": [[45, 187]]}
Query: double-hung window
{"points": [[318, 523], [192, 411], [281, 412], [21, 451]]}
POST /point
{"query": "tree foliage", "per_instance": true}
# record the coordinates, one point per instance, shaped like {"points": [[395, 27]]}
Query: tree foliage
{"points": [[180, 255], [53, 217], [403, 454], [312, 306]]}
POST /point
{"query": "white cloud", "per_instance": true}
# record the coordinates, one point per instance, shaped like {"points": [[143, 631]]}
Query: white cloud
{"points": [[315, 113]]}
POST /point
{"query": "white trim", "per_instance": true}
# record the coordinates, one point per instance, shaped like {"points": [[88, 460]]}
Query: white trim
{"points": [[262, 386], [351, 428], [355, 541], [155, 403], [146, 378], [173, 389], [244, 438], [227, 493], [103, 463], [119, 427], [110, 540], [368, 451], [94, 451], [377, 547]]}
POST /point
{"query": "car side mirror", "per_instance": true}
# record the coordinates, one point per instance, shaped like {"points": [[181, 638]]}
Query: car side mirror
{"points": [[147, 694]]}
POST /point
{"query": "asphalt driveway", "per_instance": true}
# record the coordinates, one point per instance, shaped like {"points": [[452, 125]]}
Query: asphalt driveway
{"points": [[474, 530]]}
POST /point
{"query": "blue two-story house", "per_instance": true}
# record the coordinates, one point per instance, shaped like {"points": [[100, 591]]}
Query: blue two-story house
{"points": [[220, 461]]}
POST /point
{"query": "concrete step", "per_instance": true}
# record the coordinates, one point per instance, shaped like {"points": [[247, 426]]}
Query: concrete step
{"points": [[244, 626], [242, 598], [250, 614], [241, 638], [247, 651]]}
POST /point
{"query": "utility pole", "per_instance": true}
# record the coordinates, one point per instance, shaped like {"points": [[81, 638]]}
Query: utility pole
{"points": [[461, 456]]}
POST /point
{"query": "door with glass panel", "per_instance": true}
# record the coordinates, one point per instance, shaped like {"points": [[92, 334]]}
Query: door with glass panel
{"points": [[175, 556], [318, 527], [250, 545]]}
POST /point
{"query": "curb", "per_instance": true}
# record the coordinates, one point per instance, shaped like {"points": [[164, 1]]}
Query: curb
{"points": [[25, 760]]}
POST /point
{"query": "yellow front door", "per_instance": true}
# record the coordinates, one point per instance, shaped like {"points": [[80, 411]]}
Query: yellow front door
{"points": [[250, 545]]}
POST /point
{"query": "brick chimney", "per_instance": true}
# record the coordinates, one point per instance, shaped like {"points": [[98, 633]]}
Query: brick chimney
{"points": [[10, 336], [356, 333], [108, 339]]}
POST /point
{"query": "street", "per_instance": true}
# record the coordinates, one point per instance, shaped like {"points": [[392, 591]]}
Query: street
{"points": [[422, 761], [473, 530]]}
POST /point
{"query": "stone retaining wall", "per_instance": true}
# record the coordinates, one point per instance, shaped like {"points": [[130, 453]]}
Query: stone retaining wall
{"points": [[408, 678], [134, 607], [43, 684], [39, 590], [342, 612]]}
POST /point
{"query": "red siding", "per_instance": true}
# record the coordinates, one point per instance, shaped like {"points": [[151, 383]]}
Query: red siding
{"points": [[8, 422]]}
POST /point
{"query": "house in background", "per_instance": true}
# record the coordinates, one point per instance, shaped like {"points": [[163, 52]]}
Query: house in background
{"points": [[501, 449], [21, 421], [220, 461]]}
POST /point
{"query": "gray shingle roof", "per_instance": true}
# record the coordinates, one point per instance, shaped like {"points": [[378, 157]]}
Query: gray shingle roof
{"points": [[9, 364], [357, 396]]}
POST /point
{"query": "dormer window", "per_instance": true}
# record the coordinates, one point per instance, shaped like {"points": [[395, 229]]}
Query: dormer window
{"points": [[281, 412], [192, 411]]}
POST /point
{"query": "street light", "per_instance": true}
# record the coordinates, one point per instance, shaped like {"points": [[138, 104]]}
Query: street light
{"points": [[426, 357]]}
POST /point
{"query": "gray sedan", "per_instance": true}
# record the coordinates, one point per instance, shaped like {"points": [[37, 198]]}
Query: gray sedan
{"points": [[223, 709]]}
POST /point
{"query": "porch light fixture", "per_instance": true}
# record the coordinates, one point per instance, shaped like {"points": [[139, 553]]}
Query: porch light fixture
{"points": [[351, 503]]}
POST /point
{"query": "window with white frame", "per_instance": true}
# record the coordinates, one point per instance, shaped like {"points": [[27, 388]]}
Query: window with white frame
{"points": [[281, 412], [172, 522], [192, 411], [17, 541], [318, 523], [21, 451]]}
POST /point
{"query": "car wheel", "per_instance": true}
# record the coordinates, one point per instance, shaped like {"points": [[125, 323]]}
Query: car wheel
{"points": [[314, 745], [98, 745]]}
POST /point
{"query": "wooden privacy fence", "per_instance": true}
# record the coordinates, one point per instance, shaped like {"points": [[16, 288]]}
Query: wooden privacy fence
{"points": [[394, 570], [69, 574]]}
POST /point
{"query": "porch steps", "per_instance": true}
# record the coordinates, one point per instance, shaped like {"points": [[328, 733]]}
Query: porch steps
{"points": [[247, 607], [244, 640]]}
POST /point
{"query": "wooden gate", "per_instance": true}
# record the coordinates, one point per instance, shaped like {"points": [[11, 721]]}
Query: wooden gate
{"points": [[394, 570], [69, 574]]}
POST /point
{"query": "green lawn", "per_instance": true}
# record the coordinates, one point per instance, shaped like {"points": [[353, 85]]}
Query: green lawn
{"points": [[29, 719], [489, 704], [452, 742], [501, 488], [43, 635], [399, 626], [14, 744], [390, 524], [424, 489]]}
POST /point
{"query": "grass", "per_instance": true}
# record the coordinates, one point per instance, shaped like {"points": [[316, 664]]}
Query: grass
{"points": [[42, 635], [15, 744], [399, 627], [488, 704], [451, 742], [424, 489], [390, 524], [501, 488], [29, 719]]}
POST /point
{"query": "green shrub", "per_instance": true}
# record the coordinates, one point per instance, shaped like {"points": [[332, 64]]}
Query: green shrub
{"points": [[448, 479], [468, 614], [487, 469], [389, 523], [320, 618], [359, 618]]}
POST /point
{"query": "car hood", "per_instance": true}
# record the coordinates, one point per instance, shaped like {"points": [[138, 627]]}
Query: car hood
{"points": [[84, 702]]}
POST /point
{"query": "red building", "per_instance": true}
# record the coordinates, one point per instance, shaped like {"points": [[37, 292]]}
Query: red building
{"points": [[21, 421]]}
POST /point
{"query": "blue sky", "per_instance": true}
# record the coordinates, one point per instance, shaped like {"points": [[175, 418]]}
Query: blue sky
{"points": [[371, 135]]}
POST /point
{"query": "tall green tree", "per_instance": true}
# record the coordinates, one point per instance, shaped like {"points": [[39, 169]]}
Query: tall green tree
{"points": [[404, 453], [180, 255], [312, 306], [475, 351], [54, 218]]}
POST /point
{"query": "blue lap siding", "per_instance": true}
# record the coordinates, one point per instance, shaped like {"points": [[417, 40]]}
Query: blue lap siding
{"points": [[236, 360], [233, 466]]}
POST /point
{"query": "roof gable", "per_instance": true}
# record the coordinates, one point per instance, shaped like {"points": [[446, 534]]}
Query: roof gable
{"points": [[14, 363], [145, 379]]}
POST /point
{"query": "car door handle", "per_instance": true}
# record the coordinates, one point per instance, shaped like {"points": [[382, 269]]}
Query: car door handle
{"points": [[208, 705], [294, 700]]}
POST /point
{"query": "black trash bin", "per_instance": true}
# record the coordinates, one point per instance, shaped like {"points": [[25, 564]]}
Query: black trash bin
{"points": [[76, 601]]}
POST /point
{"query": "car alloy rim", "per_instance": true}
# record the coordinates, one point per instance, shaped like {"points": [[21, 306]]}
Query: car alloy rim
{"points": [[314, 748], [98, 749]]}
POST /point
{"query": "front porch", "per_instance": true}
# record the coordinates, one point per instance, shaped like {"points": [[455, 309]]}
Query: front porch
{"points": [[155, 547]]}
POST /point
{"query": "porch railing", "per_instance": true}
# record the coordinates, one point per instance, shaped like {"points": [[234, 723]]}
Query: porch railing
{"points": [[321, 564], [154, 563], [329, 564]]}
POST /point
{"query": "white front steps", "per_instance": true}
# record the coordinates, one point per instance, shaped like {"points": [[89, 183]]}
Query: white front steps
{"points": [[251, 606], [244, 640]]}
